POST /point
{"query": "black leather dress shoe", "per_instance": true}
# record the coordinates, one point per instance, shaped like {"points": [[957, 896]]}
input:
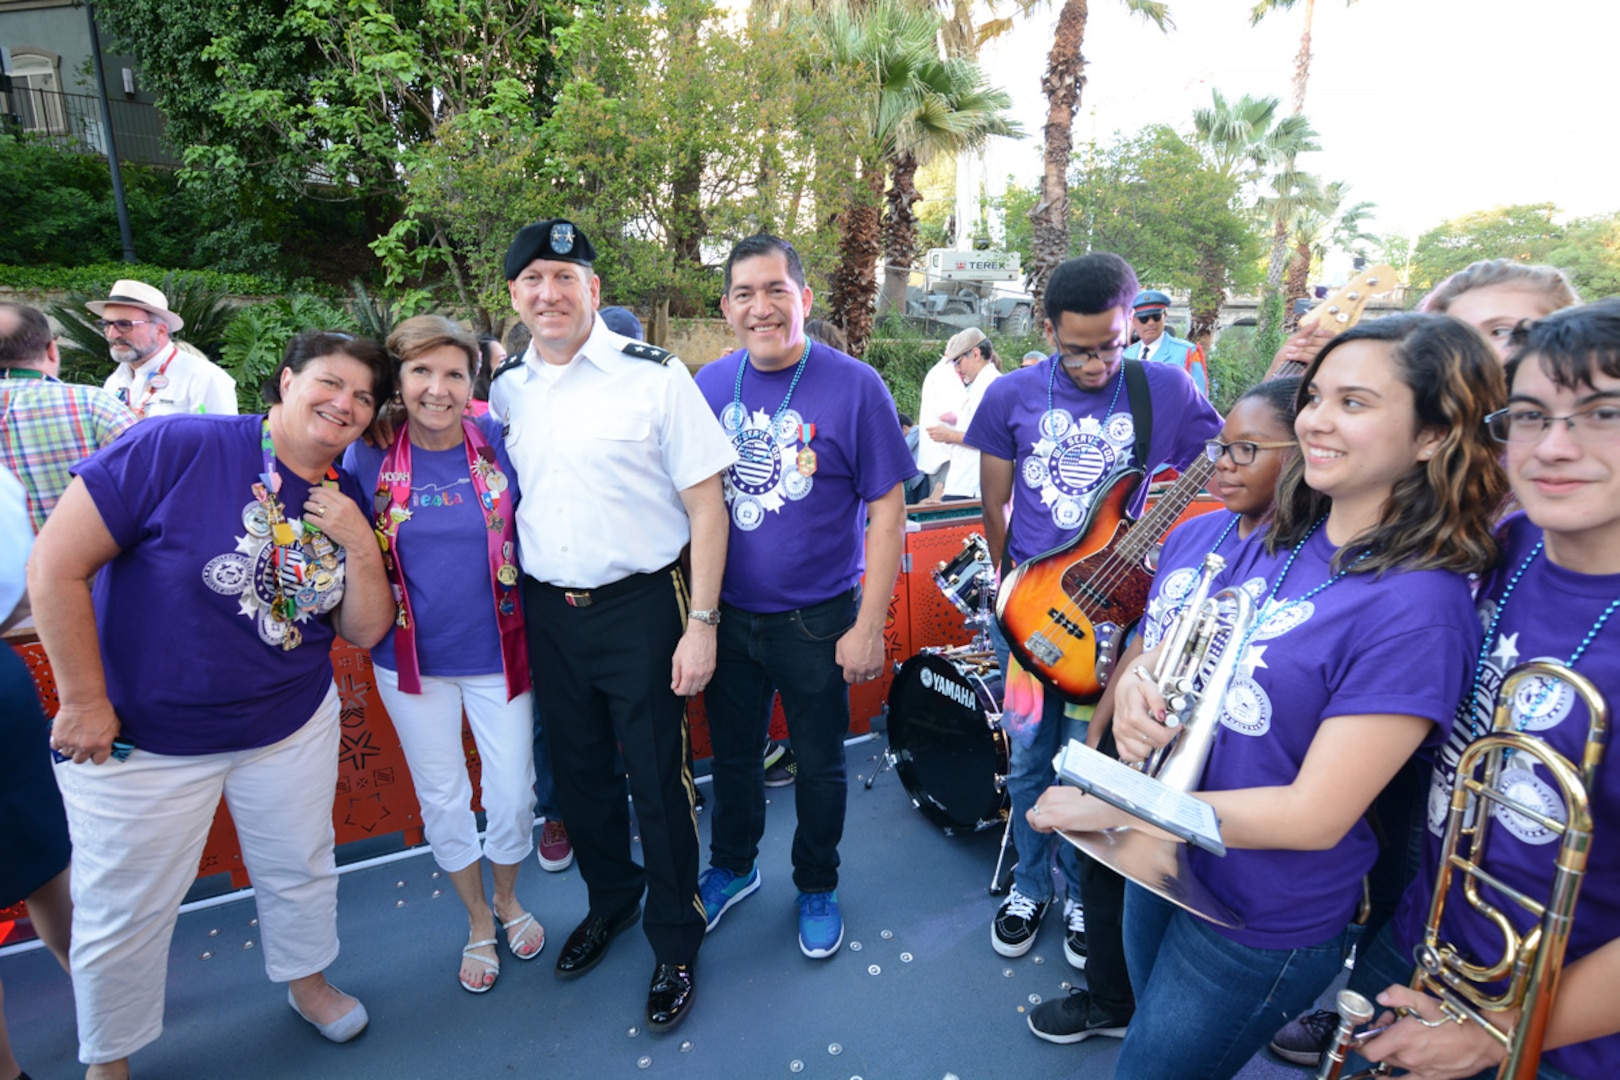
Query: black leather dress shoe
{"points": [[588, 943], [671, 992]]}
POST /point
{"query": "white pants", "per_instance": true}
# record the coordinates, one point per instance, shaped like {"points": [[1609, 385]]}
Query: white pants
{"points": [[138, 830], [429, 729]]}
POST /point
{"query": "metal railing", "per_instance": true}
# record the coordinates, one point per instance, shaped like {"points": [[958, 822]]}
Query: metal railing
{"points": [[73, 122]]}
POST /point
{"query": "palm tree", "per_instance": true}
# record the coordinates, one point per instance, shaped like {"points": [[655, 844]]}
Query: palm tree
{"points": [[1061, 84], [1302, 59], [1320, 226], [917, 105], [955, 112], [1243, 139]]}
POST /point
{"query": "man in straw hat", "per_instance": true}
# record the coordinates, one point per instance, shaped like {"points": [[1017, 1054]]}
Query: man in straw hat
{"points": [[154, 377]]}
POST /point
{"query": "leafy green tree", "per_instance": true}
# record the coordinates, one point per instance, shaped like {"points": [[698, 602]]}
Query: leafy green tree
{"points": [[1590, 253], [1524, 233], [1327, 223]]}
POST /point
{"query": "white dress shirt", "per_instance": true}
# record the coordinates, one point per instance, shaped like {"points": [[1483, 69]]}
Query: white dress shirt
{"points": [[603, 446], [194, 384], [942, 392], [963, 478]]}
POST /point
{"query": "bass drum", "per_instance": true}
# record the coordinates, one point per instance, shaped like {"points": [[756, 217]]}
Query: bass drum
{"points": [[945, 738]]}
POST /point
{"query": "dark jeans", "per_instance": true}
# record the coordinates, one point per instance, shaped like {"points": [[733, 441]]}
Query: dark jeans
{"points": [[1205, 1004], [793, 653], [1102, 895], [545, 788]]}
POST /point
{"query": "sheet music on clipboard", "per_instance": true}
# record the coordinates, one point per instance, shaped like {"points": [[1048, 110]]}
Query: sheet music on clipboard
{"points": [[1139, 795]]}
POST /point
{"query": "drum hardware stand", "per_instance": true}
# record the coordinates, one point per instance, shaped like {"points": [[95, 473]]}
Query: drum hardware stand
{"points": [[886, 759], [998, 882]]}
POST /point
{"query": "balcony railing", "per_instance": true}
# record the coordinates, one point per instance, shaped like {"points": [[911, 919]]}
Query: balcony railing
{"points": [[73, 122]]}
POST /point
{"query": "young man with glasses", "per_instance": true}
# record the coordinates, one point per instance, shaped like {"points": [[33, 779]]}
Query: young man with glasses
{"points": [[155, 377], [1149, 315], [1055, 432]]}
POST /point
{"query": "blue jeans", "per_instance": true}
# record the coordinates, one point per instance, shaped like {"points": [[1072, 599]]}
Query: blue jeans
{"points": [[1206, 1004], [1029, 773], [545, 788], [792, 653]]}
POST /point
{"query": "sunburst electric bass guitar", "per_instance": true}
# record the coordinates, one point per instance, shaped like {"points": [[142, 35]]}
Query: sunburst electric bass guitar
{"points": [[1065, 613]]}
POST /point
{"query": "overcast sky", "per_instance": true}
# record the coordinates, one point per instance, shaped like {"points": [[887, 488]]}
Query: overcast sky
{"points": [[1429, 108]]}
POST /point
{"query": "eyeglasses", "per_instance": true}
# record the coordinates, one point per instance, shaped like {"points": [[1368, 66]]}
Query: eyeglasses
{"points": [[1149, 316], [1107, 354], [123, 326], [956, 361], [1520, 424], [1242, 452]]}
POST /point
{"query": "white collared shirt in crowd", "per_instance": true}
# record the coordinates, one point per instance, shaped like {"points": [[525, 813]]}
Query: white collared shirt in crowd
{"points": [[963, 478], [195, 385], [603, 446]]}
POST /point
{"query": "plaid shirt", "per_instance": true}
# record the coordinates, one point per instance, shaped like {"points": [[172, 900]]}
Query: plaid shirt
{"points": [[47, 427]]}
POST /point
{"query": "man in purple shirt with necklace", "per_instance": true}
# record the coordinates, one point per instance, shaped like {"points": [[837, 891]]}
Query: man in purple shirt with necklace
{"points": [[816, 498]]}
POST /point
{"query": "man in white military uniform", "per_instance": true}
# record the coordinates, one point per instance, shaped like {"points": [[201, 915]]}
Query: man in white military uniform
{"points": [[618, 459], [154, 376]]}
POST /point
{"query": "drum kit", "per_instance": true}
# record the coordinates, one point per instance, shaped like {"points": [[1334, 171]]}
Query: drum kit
{"points": [[944, 710]]}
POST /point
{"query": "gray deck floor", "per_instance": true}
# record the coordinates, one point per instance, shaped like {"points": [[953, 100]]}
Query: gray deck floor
{"points": [[954, 1008]]}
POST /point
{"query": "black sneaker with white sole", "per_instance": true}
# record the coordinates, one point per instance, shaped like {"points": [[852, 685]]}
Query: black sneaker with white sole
{"points": [[1305, 1038], [1075, 1018], [1017, 922]]}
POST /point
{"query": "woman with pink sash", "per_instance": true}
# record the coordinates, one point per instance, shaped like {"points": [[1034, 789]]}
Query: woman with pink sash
{"points": [[444, 496]]}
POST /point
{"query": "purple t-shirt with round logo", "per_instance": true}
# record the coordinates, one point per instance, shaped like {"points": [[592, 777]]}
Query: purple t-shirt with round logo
{"points": [[1401, 643], [1549, 614], [1181, 563], [1063, 455], [798, 491], [193, 659]]}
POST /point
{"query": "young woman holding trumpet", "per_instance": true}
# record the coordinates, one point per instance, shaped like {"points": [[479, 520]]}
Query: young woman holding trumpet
{"points": [[1361, 646]]}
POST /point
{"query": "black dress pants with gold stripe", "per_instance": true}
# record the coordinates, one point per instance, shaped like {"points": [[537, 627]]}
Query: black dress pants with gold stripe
{"points": [[601, 666]]}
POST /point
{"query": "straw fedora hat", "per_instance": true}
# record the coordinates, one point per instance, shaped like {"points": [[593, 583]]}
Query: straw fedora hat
{"points": [[139, 294]]}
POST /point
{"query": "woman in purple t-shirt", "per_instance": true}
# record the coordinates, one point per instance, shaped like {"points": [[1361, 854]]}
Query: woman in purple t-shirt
{"points": [[1358, 655], [444, 502], [226, 552]]}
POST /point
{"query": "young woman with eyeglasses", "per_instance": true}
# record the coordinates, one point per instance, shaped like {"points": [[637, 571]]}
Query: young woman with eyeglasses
{"points": [[1363, 642]]}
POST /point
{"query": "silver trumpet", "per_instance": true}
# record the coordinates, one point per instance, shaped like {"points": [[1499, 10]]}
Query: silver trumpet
{"points": [[1196, 664]]}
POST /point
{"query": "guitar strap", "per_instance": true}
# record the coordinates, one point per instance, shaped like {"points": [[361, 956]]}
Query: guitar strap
{"points": [[1136, 391]]}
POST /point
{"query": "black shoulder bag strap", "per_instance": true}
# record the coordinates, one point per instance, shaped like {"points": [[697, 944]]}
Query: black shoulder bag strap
{"points": [[1136, 390]]}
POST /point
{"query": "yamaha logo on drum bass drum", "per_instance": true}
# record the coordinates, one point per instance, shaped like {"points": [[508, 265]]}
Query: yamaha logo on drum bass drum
{"points": [[961, 694]]}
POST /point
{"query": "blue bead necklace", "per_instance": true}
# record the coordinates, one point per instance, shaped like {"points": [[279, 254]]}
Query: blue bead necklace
{"points": [[1051, 382], [1490, 636], [1287, 566], [798, 370]]}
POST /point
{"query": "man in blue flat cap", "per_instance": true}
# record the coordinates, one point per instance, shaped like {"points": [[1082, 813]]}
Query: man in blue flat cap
{"points": [[1149, 311]]}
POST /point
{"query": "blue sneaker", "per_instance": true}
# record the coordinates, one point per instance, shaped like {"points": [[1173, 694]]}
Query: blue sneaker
{"points": [[821, 927], [720, 889]]}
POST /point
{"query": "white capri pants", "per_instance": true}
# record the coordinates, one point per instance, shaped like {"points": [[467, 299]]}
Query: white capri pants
{"points": [[429, 729], [138, 831]]}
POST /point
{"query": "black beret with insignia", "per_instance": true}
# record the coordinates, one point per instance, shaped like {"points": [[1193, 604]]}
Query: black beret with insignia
{"points": [[555, 239]]}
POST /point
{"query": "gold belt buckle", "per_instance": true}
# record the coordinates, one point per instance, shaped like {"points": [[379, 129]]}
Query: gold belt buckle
{"points": [[577, 597]]}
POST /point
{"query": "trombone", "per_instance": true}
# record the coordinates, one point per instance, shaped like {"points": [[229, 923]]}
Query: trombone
{"points": [[1530, 962]]}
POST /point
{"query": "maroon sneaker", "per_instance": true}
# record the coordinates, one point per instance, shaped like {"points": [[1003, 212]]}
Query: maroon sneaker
{"points": [[556, 853]]}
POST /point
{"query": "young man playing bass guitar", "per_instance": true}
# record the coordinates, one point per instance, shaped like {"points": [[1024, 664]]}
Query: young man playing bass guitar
{"points": [[1055, 433]]}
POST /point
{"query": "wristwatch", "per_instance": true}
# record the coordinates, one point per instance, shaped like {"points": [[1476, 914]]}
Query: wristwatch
{"points": [[706, 616]]}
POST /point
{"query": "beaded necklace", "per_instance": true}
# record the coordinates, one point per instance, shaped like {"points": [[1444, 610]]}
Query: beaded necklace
{"points": [[1490, 636], [1221, 539], [1051, 382], [1262, 620], [798, 370], [316, 573]]}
